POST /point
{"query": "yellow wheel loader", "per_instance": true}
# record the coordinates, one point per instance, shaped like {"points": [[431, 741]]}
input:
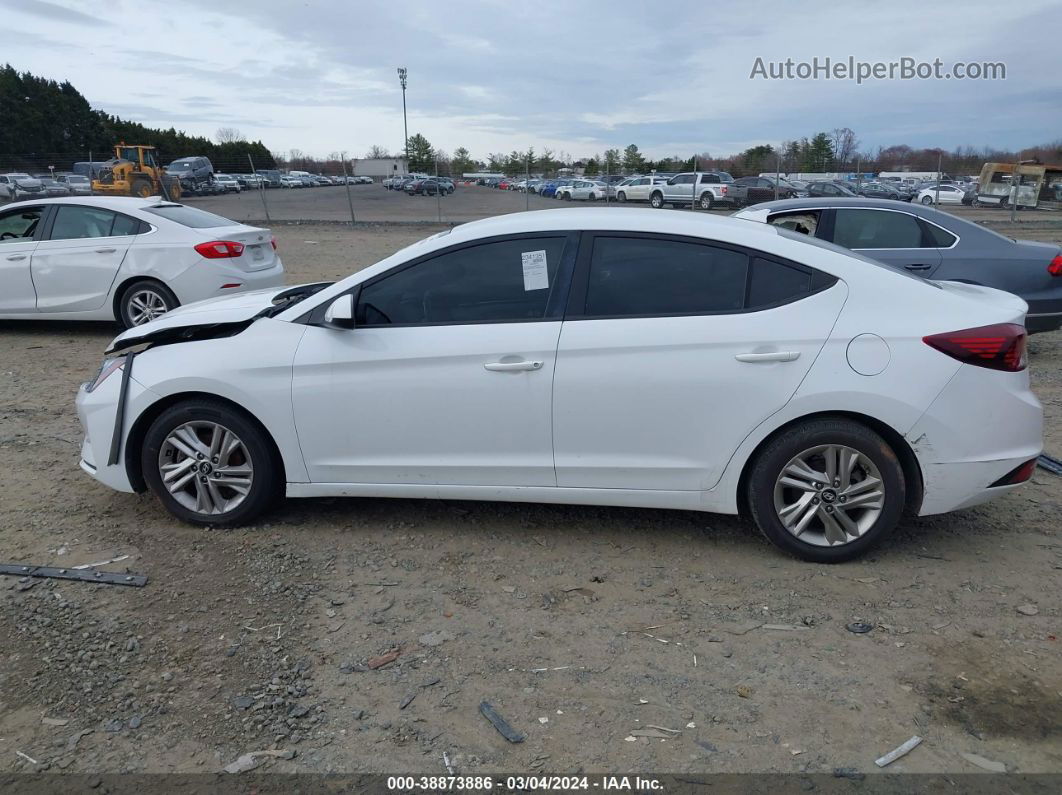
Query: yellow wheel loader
{"points": [[135, 171]]}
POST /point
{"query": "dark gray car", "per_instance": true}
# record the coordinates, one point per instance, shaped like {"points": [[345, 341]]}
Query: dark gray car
{"points": [[932, 244]]}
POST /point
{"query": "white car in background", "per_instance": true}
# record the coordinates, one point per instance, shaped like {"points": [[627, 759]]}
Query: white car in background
{"points": [[636, 189], [124, 259], [228, 182], [949, 194], [646, 359], [288, 181], [583, 190], [16, 185]]}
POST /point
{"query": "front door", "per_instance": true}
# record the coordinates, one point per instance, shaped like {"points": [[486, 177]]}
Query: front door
{"points": [[447, 377], [18, 239]]}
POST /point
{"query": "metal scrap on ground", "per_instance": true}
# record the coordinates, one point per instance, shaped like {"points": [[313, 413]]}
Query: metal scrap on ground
{"points": [[80, 574], [1050, 463], [896, 753], [499, 723]]}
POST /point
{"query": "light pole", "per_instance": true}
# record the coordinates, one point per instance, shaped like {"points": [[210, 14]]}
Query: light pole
{"points": [[405, 127]]}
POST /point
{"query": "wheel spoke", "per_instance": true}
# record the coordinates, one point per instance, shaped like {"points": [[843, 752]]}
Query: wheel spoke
{"points": [[797, 516], [867, 499], [830, 456], [192, 441], [847, 460], [850, 528], [802, 471], [834, 532]]}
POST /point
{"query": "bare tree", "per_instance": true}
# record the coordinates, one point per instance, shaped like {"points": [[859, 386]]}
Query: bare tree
{"points": [[377, 152], [228, 135], [844, 143]]}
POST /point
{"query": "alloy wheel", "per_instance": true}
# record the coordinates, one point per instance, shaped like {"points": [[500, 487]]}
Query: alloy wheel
{"points": [[206, 467], [829, 495], [145, 305]]}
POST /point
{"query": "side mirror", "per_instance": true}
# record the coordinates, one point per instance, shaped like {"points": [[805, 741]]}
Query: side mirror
{"points": [[340, 313]]}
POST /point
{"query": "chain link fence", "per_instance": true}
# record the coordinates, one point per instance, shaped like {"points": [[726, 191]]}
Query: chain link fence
{"points": [[340, 191]]}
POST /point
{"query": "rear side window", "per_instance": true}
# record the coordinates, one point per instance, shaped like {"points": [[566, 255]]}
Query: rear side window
{"points": [[124, 225], [504, 281], [864, 229], [646, 276], [189, 216]]}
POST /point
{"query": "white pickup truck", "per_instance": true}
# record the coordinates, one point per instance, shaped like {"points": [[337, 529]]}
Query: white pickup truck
{"points": [[706, 188]]}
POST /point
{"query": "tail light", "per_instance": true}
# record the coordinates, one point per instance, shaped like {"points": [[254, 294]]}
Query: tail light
{"points": [[1055, 268], [1017, 475], [220, 249], [722, 191], [997, 347], [273, 242]]}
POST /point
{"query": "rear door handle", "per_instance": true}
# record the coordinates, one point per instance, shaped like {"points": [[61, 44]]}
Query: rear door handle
{"points": [[918, 266], [106, 250], [16, 257], [503, 367], [773, 356]]}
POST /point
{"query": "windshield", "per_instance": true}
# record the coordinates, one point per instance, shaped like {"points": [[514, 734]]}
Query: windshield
{"points": [[179, 166], [189, 216]]}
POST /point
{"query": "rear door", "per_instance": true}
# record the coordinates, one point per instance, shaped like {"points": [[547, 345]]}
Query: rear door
{"points": [[674, 349], [894, 237], [19, 232], [75, 264]]}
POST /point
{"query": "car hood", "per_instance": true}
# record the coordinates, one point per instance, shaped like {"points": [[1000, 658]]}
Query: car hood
{"points": [[214, 317], [29, 182]]}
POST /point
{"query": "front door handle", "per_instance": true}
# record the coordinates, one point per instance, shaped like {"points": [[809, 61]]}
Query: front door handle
{"points": [[918, 266], [16, 257], [773, 356], [504, 367], [106, 250]]}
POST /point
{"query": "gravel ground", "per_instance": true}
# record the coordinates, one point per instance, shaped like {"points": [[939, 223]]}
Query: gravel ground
{"points": [[585, 627]]}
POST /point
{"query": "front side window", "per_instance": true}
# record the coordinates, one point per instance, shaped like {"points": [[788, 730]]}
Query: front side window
{"points": [[646, 276], [499, 282], [73, 222], [18, 226], [876, 229]]}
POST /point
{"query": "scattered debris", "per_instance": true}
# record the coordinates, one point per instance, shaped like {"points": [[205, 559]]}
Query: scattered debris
{"points": [[899, 751], [383, 659], [985, 764], [652, 734], [630, 739], [1028, 610], [859, 628], [446, 761], [75, 738], [744, 691], [430, 682], [743, 629], [499, 723], [543, 720], [664, 728], [96, 565], [80, 574], [1050, 463], [250, 761], [54, 721], [691, 725], [29, 759], [407, 700], [436, 638], [785, 627]]}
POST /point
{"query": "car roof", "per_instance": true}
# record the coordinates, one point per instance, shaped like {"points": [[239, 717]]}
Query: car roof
{"points": [[120, 203], [820, 203]]}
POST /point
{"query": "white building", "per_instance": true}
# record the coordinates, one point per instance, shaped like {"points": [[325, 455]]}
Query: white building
{"points": [[380, 168]]}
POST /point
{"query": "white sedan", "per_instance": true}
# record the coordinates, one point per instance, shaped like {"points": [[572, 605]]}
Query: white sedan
{"points": [[583, 190], [590, 357], [124, 259], [949, 194]]}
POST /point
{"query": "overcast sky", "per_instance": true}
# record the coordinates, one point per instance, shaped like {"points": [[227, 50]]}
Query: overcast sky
{"points": [[577, 76]]}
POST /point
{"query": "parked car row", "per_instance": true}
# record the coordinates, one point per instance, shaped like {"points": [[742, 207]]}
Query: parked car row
{"points": [[421, 185]]}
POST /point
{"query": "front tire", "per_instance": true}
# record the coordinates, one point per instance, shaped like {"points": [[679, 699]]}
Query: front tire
{"points": [[621, 196], [827, 490], [144, 301], [927, 200], [209, 464]]}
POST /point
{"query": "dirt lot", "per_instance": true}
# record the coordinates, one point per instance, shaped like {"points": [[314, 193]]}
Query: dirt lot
{"points": [[580, 625]]}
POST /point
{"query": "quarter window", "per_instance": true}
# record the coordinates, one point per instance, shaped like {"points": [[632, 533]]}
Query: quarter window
{"points": [[504, 281], [773, 283], [864, 229], [941, 238]]}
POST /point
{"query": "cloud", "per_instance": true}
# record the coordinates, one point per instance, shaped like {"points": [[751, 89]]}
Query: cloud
{"points": [[578, 77], [54, 12]]}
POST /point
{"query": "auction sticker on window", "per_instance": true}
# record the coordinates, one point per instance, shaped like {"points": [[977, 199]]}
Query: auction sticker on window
{"points": [[535, 275]]}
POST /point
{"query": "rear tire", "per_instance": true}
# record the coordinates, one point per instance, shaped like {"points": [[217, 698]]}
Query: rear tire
{"points": [[656, 201], [829, 521], [706, 201], [225, 488], [143, 301]]}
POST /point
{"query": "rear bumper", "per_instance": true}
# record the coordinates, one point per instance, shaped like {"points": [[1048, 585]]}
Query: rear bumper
{"points": [[194, 284], [982, 425]]}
